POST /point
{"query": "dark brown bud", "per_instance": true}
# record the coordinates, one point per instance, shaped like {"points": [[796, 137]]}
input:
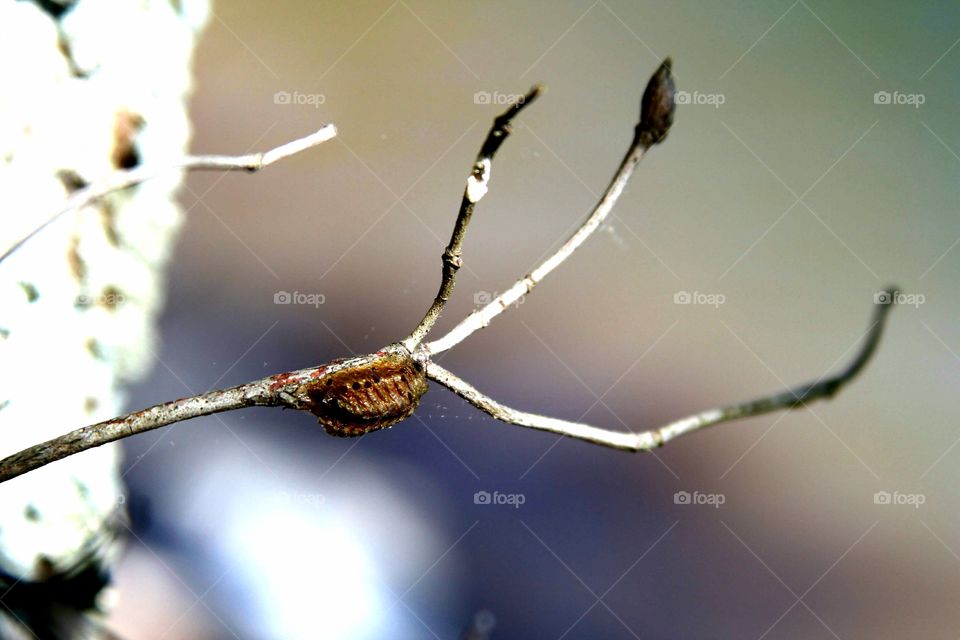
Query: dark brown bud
{"points": [[657, 107]]}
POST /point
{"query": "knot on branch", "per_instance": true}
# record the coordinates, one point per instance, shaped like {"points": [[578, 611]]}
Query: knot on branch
{"points": [[256, 163], [452, 259], [528, 282]]}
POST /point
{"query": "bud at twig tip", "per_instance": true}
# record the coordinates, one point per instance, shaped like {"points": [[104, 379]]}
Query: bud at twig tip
{"points": [[657, 106]]}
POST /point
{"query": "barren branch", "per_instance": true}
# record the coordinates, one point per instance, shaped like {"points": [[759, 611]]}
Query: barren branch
{"points": [[477, 185], [656, 116], [118, 180], [794, 398], [366, 393]]}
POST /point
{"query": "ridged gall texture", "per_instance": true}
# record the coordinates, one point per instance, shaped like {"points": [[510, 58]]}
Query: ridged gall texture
{"points": [[368, 396]]}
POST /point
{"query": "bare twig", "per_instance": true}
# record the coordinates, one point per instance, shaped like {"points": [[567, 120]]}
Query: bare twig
{"points": [[358, 395], [656, 116], [477, 185], [794, 398], [118, 180]]}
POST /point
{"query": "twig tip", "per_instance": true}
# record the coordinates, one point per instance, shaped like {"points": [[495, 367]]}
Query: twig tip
{"points": [[886, 298], [657, 106]]}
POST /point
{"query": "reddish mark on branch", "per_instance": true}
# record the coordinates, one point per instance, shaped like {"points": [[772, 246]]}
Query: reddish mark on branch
{"points": [[295, 377], [282, 380]]}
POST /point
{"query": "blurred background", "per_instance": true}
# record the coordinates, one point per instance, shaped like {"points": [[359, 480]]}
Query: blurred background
{"points": [[813, 160]]}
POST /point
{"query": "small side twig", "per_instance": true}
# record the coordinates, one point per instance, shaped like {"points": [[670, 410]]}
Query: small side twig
{"points": [[477, 185], [794, 398], [123, 179]]}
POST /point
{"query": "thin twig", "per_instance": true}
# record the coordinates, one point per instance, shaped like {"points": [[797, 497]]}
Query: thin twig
{"points": [[656, 116], [314, 389], [477, 185], [118, 180], [794, 398]]}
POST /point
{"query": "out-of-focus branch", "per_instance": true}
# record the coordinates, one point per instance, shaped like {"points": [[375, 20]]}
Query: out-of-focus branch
{"points": [[122, 179]]}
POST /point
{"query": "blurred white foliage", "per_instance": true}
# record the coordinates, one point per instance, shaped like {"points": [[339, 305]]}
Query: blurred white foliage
{"points": [[78, 302]]}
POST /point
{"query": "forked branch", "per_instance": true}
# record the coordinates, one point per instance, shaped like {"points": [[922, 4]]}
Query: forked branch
{"points": [[477, 185], [358, 395], [656, 116]]}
